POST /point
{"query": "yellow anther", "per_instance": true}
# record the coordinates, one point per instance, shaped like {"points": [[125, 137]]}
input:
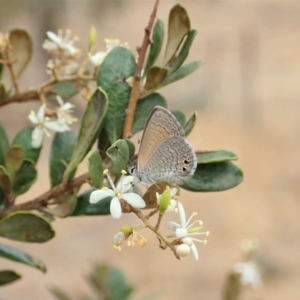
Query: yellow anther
{"points": [[205, 242], [117, 247], [123, 172], [207, 233], [105, 171]]}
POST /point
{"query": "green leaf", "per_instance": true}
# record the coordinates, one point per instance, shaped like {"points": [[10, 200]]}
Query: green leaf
{"points": [[5, 182], [214, 177], [85, 208], [111, 281], [119, 155], [131, 148], [215, 156], [190, 124], [178, 27], [95, 167], [14, 158], [59, 294], [21, 52], [66, 203], [23, 139], [4, 144], [65, 89], [184, 51], [155, 76], [8, 276], [156, 45], [17, 255], [2, 90], [26, 226], [180, 116], [24, 178], [118, 65], [90, 126], [60, 155], [143, 110], [182, 72]]}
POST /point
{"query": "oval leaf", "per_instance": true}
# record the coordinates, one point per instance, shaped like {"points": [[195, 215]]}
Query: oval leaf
{"points": [[215, 156], [95, 167], [90, 126], [214, 177], [143, 110], [60, 155], [21, 52], [155, 76], [156, 45], [119, 155], [118, 65], [5, 182], [178, 27], [4, 144], [182, 72], [190, 124], [85, 208], [8, 276], [21, 257], [14, 158], [26, 226], [23, 139], [184, 51], [65, 89], [25, 177]]}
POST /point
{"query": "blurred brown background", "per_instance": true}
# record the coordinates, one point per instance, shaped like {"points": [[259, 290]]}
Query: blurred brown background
{"points": [[247, 97]]}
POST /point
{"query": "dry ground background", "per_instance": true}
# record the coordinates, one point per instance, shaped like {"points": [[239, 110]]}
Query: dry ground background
{"points": [[247, 96]]}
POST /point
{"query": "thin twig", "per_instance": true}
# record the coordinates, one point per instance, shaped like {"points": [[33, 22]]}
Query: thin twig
{"points": [[43, 88], [158, 234], [43, 199], [135, 92]]}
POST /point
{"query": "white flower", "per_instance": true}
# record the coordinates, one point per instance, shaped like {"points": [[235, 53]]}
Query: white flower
{"points": [[43, 124], [61, 42], [250, 273], [64, 113], [185, 230], [97, 58], [123, 191], [173, 202]]}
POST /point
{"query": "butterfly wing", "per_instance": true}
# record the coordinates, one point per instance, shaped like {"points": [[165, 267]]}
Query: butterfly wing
{"points": [[160, 126], [173, 161]]}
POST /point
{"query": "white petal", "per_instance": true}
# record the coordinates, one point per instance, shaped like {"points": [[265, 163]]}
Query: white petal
{"points": [[66, 106], [98, 195], [172, 225], [115, 208], [57, 126], [97, 58], [195, 251], [181, 214], [183, 250], [125, 184], [33, 118], [181, 232], [54, 37], [59, 100], [41, 113], [134, 200], [37, 137]]}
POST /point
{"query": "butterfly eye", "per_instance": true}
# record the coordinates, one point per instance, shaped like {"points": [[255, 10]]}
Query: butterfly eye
{"points": [[184, 169], [132, 170], [186, 161]]}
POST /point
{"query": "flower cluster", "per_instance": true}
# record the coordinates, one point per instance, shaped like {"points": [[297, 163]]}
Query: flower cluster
{"points": [[44, 123], [62, 51], [184, 238]]}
